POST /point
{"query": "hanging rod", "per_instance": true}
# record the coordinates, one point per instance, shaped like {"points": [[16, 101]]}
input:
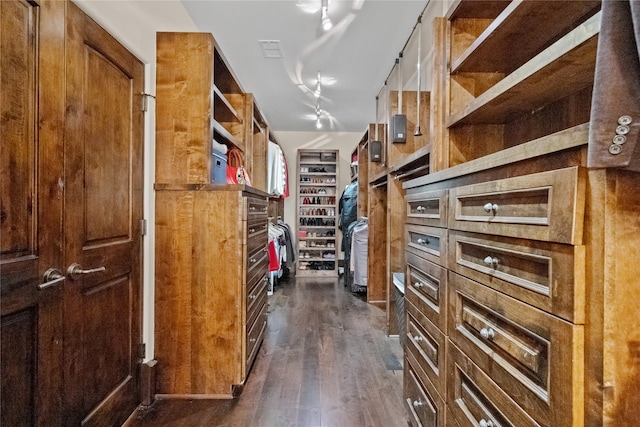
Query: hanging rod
{"points": [[419, 21]]}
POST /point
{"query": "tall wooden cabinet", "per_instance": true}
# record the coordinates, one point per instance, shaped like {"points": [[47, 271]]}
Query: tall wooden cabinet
{"points": [[211, 239], [518, 296]]}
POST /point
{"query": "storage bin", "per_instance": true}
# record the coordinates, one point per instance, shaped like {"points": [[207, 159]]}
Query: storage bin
{"points": [[219, 168]]}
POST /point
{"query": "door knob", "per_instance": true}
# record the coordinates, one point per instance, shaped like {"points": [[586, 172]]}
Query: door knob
{"points": [[51, 277], [75, 270]]}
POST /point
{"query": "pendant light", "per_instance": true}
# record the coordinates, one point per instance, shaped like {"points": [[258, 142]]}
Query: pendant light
{"points": [[419, 95]]}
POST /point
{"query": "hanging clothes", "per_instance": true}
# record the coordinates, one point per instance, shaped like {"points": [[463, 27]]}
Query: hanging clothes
{"points": [[348, 209], [277, 173], [360, 241]]}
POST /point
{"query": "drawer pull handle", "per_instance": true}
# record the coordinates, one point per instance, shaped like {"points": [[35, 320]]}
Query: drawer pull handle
{"points": [[491, 262], [418, 338], [252, 260], [252, 208], [423, 241], [491, 208], [418, 403], [487, 333], [418, 284], [485, 423], [252, 230], [252, 340], [420, 208], [252, 297]]}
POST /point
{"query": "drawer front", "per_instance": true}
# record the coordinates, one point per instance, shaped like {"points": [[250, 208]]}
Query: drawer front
{"points": [[475, 400], [256, 208], [427, 344], [255, 335], [427, 242], [424, 407], [427, 208], [257, 230], [547, 206], [257, 265], [426, 288], [255, 300], [527, 352], [546, 275]]}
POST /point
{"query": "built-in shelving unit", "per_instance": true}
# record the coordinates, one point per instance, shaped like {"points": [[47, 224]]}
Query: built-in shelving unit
{"points": [[317, 212]]}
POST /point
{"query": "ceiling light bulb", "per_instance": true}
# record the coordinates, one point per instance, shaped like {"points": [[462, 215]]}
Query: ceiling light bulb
{"points": [[326, 22], [318, 124]]}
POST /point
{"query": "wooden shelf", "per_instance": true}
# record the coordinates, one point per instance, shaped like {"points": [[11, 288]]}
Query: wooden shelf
{"points": [[223, 136], [223, 110], [562, 69], [508, 42], [564, 140], [481, 9]]}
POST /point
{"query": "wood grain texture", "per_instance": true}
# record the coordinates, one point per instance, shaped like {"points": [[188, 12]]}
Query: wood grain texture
{"points": [[325, 361], [184, 78], [201, 288], [399, 151], [549, 391], [395, 245], [377, 247]]}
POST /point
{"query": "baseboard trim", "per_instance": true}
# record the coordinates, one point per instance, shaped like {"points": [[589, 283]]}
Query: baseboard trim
{"points": [[148, 382]]}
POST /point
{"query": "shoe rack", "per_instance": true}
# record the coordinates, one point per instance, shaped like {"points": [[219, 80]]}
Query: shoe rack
{"points": [[317, 210]]}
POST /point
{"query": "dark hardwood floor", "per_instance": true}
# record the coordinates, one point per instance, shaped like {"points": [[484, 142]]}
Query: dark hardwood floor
{"points": [[325, 361]]}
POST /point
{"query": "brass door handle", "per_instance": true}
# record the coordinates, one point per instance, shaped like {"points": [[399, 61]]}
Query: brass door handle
{"points": [[75, 271]]}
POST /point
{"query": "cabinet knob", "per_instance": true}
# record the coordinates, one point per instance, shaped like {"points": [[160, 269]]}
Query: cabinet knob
{"points": [[420, 209], [252, 340], [491, 261], [418, 338], [252, 260], [418, 284], [487, 333], [417, 403], [423, 241], [491, 208], [486, 423]]}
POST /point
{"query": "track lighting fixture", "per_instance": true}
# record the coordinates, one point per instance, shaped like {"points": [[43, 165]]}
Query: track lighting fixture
{"points": [[318, 90], [318, 111], [324, 16]]}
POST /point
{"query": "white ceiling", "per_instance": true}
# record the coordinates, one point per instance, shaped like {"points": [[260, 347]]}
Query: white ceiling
{"points": [[355, 56]]}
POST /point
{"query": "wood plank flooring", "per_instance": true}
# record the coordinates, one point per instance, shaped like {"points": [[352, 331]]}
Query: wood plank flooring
{"points": [[325, 362]]}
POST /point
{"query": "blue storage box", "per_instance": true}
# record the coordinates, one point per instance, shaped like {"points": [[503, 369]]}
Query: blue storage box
{"points": [[219, 168]]}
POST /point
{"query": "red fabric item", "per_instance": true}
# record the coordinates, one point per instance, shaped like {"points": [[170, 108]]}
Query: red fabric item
{"points": [[274, 262]]}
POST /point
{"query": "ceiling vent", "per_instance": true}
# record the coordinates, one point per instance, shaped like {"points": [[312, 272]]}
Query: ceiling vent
{"points": [[271, 48]]}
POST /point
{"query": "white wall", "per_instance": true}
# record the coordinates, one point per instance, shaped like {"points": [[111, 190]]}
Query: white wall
{"points": [[290, 142]]}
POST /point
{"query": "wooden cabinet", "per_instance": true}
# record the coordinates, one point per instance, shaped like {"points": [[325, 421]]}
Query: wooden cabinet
{"points": [[534, 278], [210, 287], [317, 204], [211, 239]]}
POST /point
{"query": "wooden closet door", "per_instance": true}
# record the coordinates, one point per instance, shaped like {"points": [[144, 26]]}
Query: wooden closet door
{"points": [[103, 210], [31, 202]]}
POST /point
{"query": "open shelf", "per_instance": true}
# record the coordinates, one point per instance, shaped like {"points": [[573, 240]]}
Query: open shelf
{"points": [[560, 70], [223, 111], [508, 42]]}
